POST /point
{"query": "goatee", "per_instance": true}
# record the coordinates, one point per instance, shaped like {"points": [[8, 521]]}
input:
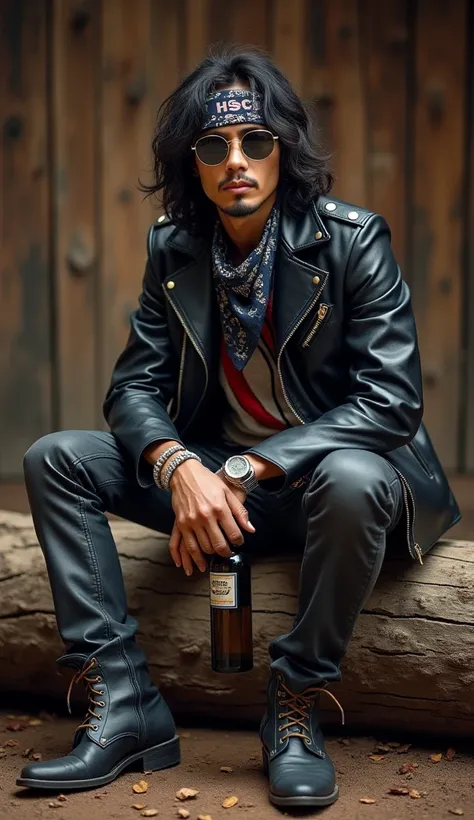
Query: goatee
{"points": [[240, 208]]}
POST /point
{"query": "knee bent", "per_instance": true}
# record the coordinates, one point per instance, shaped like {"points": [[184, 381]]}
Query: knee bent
{"points": [[51, 448]]}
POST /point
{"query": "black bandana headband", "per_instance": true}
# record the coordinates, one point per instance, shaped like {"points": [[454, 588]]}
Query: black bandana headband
{"points": [[233, 106]]}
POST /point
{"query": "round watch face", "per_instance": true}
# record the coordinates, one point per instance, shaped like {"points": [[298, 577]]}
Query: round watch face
{"points": [[237, 467]]}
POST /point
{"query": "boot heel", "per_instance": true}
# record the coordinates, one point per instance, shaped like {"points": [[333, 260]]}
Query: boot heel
{"points": [[162, 756], [264, 761]]}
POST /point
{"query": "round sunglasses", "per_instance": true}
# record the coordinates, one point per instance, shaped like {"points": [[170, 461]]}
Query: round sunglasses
{"points": [[214, 149]]}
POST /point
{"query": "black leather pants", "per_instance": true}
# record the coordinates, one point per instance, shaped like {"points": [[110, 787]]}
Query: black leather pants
{"points": [[339, 522]]}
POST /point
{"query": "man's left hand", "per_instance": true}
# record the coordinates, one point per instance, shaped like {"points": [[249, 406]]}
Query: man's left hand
{"points": [[186, 559]]}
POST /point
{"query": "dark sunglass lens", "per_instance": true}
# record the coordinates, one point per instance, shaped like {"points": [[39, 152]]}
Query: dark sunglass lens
{"points": [[211, 150], [258, 144]]}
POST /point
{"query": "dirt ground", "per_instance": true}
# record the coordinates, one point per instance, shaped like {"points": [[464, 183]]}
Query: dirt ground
{"points": [[446, 786]]}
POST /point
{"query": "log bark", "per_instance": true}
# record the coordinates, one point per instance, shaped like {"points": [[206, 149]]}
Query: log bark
{"points": [[409, 665]]}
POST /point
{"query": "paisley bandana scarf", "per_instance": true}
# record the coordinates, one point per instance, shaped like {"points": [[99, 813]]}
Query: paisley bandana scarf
{"points": [[243, 291]]}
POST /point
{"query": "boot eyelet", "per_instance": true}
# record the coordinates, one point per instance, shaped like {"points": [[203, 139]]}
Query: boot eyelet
{"points": [[307, 740], [280, 715], [95, 728], [281, 740], [94, 661], [100, 692], [99, 679], [100, 717], [101, 703]]}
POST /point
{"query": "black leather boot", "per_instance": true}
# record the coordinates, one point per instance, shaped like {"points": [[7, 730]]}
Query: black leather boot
{"points": [[127, 722], [294, 758]]}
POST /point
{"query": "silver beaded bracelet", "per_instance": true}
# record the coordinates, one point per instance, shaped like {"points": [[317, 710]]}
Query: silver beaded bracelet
{"points": [[159, 464], [165, 481]]}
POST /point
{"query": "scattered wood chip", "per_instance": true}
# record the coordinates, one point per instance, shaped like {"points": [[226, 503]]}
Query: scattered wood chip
{"points": [[141, 787], [12, 743], [401, 790], [26, 752], [62, 798], [450, 754], [183, 813], [37, 756], [459, 812], [404, 749], [138, 806], [204, 817], [35, 722], [407, 768], [230, 801], [149, 812], [367, 800], [436, 757], [227, 769], [382, 748], [414, 794], [186, 794], [54, 805], [376, 758]]}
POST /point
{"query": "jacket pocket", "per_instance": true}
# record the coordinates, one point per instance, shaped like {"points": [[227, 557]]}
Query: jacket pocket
{"points": [[322, 316]]}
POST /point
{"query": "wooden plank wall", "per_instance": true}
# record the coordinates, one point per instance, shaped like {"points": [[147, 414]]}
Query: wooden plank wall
{"points": [[392, 87]]}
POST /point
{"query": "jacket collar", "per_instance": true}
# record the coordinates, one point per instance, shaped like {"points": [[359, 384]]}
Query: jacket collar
{"points": [[297, 280]]}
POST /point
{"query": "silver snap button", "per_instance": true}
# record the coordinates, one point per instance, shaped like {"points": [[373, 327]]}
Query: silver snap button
{"points": [[318, 235], [353, 215], [161, 218], [331, 206], [170, 285], [103, 741], [316, 280]]}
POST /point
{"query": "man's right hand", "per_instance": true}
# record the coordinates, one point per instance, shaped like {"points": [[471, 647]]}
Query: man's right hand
{"points": [[208, 514]]}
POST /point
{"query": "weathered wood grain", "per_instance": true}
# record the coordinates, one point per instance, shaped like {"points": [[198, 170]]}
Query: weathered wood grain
{"points": [[25, 261], [437, 216], [75, 230], [409, 665]]}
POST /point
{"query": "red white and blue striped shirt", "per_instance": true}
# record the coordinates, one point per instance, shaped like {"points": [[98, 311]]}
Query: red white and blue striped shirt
{"points": [[256, 406]]}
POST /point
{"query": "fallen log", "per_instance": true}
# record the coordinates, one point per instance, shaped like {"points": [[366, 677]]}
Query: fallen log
{"points": [[410, 664]]}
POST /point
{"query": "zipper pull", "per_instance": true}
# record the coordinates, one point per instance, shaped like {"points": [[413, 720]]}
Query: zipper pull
{"points": [[323, 309], [419, 553]]}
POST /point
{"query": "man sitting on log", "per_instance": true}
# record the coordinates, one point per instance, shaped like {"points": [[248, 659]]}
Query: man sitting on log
{"points": [[269, 395]]}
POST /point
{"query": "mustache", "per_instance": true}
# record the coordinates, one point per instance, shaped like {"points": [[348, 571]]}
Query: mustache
{"points": [[241, 178]]}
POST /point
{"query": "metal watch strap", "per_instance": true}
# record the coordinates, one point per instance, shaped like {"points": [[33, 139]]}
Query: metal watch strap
{"points": [[176, 461], [159, 463]]}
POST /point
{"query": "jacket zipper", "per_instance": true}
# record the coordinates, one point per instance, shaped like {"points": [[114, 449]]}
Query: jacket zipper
{"points": [[415, 552], [198, 351], [293, 330], [180, 377], [322, 313]]}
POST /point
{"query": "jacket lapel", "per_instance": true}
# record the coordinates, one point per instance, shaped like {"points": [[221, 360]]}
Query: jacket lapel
{"points": [[193, 295], [297, 280]]}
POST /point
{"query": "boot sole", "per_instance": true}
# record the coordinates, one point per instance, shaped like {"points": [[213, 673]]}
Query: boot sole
{"points": [[153, 759], [305, 800]]}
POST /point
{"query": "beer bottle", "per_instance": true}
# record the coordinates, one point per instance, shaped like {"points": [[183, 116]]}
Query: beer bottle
{"points": [[231, 613]]}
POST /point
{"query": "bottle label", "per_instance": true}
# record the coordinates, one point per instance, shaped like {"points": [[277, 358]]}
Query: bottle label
{"points": [[223, 589]]}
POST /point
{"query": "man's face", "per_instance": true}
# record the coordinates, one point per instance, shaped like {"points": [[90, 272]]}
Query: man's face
{"points": [[259, 178]]}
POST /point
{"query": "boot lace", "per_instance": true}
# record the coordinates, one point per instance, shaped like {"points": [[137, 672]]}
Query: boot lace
{"points": [[299, 707], [82, 675]]}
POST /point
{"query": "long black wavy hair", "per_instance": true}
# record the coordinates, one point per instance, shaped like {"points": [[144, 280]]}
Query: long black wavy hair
{"points": [[304, 170]]}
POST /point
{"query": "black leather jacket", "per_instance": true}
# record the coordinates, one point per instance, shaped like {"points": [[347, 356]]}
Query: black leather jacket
{"points": [[347, 357]]}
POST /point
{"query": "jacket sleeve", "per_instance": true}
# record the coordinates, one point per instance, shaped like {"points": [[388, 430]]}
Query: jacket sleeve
{"points": [[143, 380], [384, 406]]}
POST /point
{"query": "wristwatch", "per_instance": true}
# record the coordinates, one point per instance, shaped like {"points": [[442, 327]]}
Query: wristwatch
{"points": [[238, 470]]}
